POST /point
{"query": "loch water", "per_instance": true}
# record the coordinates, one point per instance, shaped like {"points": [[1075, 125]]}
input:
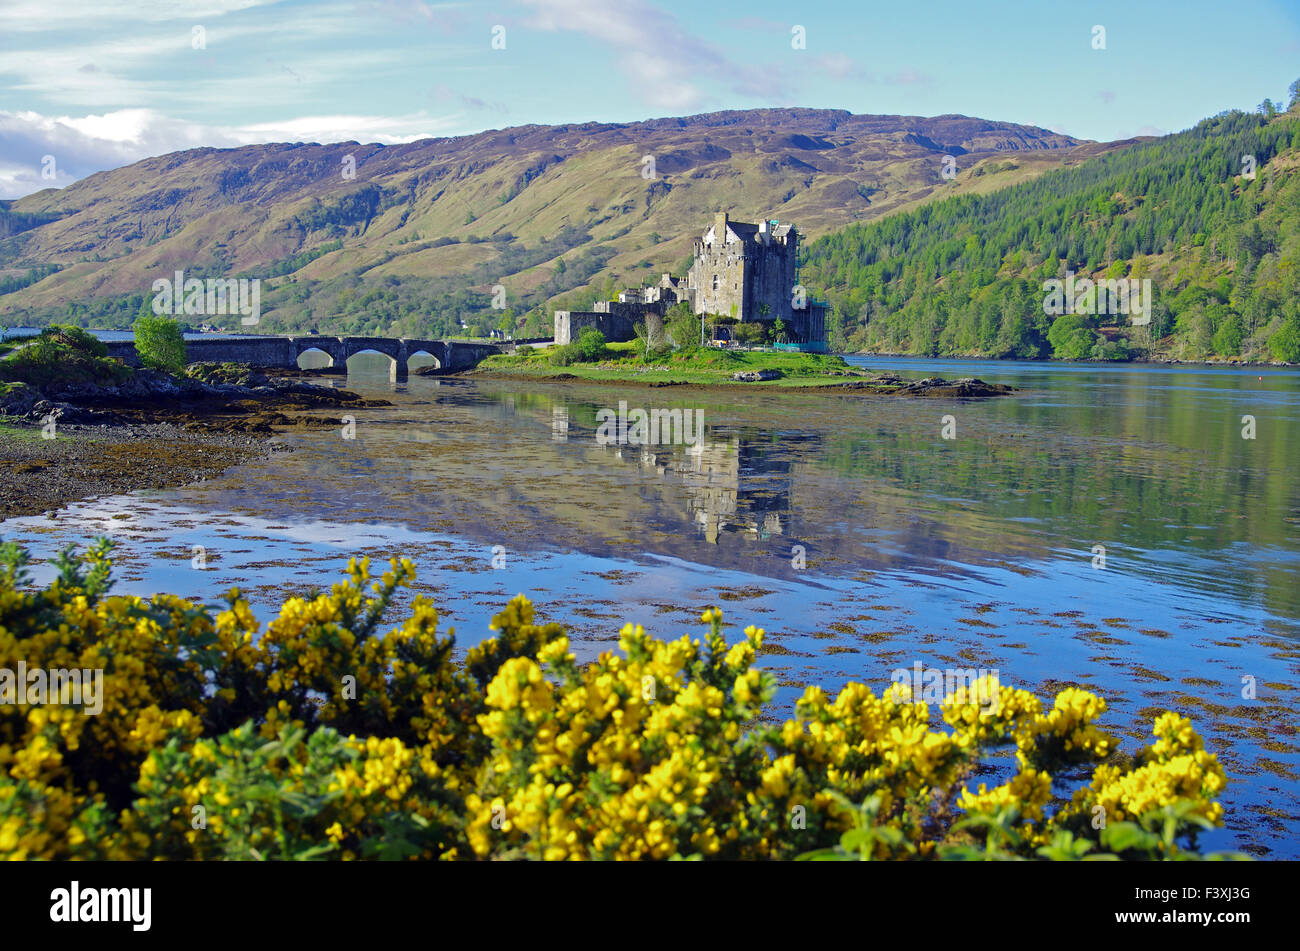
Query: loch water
{"points": [[1109, 527]]}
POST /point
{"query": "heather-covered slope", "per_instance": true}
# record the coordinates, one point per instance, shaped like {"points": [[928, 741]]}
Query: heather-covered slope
{"points": [[416, 240]]}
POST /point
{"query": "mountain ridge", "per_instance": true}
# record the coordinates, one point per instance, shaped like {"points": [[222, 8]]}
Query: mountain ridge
{"points": [[542, 210]]}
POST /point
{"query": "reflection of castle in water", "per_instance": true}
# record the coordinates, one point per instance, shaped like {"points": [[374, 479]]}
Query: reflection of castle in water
{"points": [[734, 484], [711, 473]]}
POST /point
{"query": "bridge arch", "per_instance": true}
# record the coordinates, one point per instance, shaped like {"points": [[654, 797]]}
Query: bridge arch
{"points": [[430, 359], [448, 355], [314, 353], [397, 362], [332, 347]]}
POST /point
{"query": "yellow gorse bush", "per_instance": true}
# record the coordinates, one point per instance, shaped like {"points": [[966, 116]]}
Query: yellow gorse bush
{"points": [[323, 737]]}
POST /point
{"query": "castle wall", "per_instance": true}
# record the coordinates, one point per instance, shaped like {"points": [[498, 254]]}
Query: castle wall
{"points": [[729, 264], [773, 281], [617, 326], [631, 310]]}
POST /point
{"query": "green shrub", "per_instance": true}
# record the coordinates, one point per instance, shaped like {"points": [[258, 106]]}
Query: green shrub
{"points": [[62, 354], [683, 327], [1105, 349], [590, 346], [1227, 339], [160, 343], [1071, 337], [330, 734], [83, 341]]}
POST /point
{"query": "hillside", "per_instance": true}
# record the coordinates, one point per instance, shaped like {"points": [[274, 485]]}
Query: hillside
{"points": [[965, 277], [416, 241]]}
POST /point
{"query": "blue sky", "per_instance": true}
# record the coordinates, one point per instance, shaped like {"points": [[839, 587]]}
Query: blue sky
{"points": [[100, 83]]}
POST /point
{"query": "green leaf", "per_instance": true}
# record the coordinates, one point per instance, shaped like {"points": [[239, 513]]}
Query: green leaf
{"points": [[855, 839], [1122, 836], [823, 855]]}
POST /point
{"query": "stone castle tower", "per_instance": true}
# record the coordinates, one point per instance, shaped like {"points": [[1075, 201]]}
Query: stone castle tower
{"points": [[746, 271]]}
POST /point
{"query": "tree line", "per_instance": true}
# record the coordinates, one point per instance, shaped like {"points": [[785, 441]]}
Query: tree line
{"points": [[1211, 216]]}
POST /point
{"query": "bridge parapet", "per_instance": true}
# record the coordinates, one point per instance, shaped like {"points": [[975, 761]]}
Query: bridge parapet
{"points": [[463, 356], [284, 351], [264, 351]]}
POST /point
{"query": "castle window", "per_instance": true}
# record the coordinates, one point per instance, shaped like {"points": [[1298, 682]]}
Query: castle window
{"points": [[715, 282]]}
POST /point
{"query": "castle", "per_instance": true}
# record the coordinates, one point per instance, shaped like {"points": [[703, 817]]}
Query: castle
{"points": [[743, 271]]}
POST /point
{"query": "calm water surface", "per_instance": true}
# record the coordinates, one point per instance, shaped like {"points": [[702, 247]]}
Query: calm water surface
{"points": [[977, 551]]}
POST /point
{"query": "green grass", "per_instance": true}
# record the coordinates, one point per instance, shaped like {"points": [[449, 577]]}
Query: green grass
{"points": [[25, 433], [702, 366]]}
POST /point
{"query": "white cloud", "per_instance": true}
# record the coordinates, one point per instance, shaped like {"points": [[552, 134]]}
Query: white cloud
{"points": [[445, 17], [845, 68], [667, 64], [103, 83], [141, 67], [388, 130], [839, 66], [907, 77], [40, 16]]}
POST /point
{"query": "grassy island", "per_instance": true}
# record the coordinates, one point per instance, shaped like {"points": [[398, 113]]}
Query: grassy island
{"points": [[589, 359]]}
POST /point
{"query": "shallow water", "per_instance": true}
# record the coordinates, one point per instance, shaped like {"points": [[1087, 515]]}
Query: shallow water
{"points": [[847, 526]]}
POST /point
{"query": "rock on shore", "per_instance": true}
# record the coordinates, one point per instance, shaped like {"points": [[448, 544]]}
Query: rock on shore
{"points": [[967, 387], [255, 403]]}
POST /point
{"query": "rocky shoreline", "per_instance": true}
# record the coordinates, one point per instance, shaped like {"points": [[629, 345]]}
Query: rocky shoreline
{"points": [[246, 400], [86, 462], [152, 431]]}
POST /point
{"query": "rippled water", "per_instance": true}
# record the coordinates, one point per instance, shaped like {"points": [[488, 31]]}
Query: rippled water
{"points": [[976, 551]]}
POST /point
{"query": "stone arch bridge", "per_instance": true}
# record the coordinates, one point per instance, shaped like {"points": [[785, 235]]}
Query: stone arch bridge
{"points": [[268, 351]]}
